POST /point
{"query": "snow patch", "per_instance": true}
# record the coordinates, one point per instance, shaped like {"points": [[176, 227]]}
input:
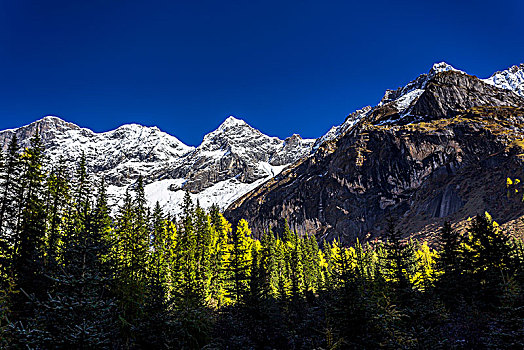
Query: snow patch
{"points": [[509, 79]]}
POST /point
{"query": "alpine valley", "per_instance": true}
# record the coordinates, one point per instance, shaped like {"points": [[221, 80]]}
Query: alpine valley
{"points": [[439, 148]]}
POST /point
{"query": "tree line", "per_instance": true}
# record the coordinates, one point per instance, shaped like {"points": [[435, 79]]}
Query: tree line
{"points": [[73, 275]]}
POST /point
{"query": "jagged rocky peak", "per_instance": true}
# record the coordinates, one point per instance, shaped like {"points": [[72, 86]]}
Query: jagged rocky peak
{"points": [[237, 150], [442, 67], [293, 139], [54, 120], [231, 122], [52, 123], [509, 79], [403, 96], [231, 135], [443, 91], [337, 131]]}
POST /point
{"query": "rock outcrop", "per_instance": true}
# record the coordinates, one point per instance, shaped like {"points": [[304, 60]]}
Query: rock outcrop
{"points": [[445, 155], [229, 162]]}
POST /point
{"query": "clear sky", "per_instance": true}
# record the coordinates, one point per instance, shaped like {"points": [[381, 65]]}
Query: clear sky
{"points": [[283, 66]]}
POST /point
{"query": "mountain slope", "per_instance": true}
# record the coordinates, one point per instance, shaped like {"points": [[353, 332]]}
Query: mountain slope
{"points": [[416, 163], [340, 185], [230, 161], [509, 79]]}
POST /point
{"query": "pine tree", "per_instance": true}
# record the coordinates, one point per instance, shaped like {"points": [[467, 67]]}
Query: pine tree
{"points": [[220, 232], [449, 265], [487, 258], [239, 261], [10, 188], [29, 236], [58, 202], [397, 262]]}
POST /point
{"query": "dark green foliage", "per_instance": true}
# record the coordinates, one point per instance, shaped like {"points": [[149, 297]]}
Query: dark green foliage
{"points": [[397, 262], [29, 232], [486, 261], [75, 278], [239, 262]]}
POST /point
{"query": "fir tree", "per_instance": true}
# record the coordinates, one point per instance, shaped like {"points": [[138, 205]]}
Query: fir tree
{"points": [[10, 188], [449, 265], [487, 258], [397, 262], [29, 237], [220, 232], [58, 201], [239, 261]]}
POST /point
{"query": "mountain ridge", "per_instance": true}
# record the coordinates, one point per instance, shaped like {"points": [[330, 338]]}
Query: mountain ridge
{"points": [[227, 160], [384, 164], [235, 158]]}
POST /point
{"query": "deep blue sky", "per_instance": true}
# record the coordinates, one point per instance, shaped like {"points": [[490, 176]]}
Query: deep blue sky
{"points": [[283, 66]]}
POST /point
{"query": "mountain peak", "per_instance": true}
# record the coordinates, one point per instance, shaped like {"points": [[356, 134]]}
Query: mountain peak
{"points": [[440, 67], [509, 79], [231, 121], [53, 118], [51, 122]]}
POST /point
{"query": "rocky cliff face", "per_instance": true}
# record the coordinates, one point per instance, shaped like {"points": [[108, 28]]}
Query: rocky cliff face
{"points": [[442, 153], [438, 148], [229, 162]]}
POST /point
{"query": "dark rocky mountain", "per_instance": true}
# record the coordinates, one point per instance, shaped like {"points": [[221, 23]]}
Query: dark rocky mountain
{"points": [[438, 149]]}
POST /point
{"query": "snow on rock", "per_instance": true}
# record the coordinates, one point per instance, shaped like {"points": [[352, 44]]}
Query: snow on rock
{"points": [[509, 79], [230, 161], [442, 67], [404, 98], [337, 131]]}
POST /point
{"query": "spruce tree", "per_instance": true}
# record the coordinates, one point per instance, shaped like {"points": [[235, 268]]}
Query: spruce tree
{"points": [[189, 288], [239, 261], [10, 188], [268, 273], [398, 262], [220, 232], [29, 236], [79, 311], [487, 259], [58, 202], [203, 236]]}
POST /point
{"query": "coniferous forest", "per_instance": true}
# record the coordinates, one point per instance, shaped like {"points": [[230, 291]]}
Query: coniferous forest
{"points": [[76, 276]]}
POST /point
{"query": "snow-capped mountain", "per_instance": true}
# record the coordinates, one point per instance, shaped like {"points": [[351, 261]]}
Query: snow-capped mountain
{"points": [[230, 161], [509, 79], [400, 100], [404, 103], [437, 149], [336, 131], [404, 98], [236, 158]]}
